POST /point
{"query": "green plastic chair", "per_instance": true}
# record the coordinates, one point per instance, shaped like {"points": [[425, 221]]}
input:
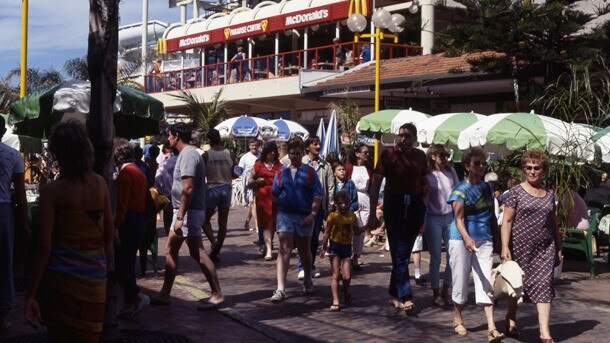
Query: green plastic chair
{"points": [[581, 240]]}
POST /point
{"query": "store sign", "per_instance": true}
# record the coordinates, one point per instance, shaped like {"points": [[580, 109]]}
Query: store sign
{"points": [[307, 18], [189, 42], [249, 29]]}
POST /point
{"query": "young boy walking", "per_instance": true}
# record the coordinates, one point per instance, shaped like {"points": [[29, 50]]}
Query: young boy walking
{"points": [[341, 226]]}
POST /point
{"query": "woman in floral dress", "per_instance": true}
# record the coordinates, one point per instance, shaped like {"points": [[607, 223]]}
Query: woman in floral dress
{"points": [[530, 227]]}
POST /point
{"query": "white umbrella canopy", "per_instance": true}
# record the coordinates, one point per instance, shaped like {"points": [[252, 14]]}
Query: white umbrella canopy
{"points": [[503, 133], [288, 129], [445, 128], [331, 141], [389, 121], [246, 127]]}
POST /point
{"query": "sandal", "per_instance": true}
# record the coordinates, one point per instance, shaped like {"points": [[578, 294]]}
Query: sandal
{"points": [[409, 307], [460, 329], [439, 301], [494, 336], [347, 299], [335, 308], [397, 304]]}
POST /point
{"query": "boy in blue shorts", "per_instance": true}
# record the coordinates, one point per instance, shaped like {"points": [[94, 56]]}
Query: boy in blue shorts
{"points": [[341, 226]]}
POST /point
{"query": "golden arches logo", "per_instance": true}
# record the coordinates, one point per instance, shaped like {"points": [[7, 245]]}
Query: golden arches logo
{"points": [[227, 33], [358, 7], [161, 46], [264, 25]]}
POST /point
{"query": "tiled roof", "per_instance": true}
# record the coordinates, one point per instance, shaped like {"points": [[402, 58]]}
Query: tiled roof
{"points": [[401, 69]]}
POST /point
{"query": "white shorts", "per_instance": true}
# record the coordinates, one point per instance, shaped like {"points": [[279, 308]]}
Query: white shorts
{"points": [[462, 262], [419, 243], [192, 224]]}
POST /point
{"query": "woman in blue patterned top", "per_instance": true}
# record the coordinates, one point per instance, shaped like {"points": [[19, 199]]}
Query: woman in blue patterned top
{"points": [[470, 241]]}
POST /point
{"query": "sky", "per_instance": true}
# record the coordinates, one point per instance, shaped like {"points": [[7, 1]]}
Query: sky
{"points": [[58, 30]]}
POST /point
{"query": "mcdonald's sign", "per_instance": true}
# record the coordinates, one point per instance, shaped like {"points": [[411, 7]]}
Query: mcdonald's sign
{"points": [[358, 7]]}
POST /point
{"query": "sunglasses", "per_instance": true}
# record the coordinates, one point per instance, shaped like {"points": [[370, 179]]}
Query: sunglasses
{"points": [[479, 163], [534, 168]]}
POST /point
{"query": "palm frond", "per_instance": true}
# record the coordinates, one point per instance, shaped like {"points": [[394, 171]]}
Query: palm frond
{"points": [[204, 116]]}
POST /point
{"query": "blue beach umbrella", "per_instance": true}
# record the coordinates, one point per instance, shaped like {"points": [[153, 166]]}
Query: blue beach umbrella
{"points": [[288, 129], [331, 141], [246, 127], [321, 133]]}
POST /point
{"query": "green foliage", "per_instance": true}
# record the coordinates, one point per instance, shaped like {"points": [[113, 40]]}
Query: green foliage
{"points": [[541, 39], [76, 68], [36, 79], [204, 115], [348, 115]]}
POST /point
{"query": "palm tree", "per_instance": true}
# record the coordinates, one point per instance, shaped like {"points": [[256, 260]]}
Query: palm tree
{"points": [[205, 116], [36, 79]]}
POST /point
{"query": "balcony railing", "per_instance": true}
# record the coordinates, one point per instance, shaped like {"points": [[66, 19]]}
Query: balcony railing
{"points": [[332, 57]]}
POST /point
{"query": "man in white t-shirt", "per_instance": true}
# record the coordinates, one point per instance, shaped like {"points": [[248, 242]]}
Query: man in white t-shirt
{"points": [[11, 173], [246, 162]]}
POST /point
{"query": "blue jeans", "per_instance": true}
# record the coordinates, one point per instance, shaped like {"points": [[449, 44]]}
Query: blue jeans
{"points": [[402, 231], [7, 236], [131, 235], [436, 231], [315, 241]]}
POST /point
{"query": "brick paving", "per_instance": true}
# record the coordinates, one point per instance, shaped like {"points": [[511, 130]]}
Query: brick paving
{"points": [[581, 310]]}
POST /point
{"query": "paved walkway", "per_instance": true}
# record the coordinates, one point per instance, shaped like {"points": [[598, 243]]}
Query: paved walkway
{"points": [[581, 311]]}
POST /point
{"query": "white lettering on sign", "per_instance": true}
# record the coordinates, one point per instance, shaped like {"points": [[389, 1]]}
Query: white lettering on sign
{"points": [[306, 17], [193, 40], [246, 29]]}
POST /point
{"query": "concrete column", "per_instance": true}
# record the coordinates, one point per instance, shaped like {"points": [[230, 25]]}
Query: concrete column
{"points": [[183, 14], [305, 46], [277, 51], [427, 19], [195, 9]]}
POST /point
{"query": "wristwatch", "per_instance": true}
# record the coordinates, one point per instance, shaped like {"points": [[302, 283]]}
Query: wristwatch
{"points": [[179, 218]]}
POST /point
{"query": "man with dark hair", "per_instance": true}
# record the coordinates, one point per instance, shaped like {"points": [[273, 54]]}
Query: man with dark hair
{"points": [[11, 173], [188, 201], [219, 163], [327, 179], [246, 162], [404, 168]]}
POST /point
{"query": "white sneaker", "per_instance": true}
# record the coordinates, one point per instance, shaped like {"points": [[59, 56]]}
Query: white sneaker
{"points": [[301, 275], [278, 296]]}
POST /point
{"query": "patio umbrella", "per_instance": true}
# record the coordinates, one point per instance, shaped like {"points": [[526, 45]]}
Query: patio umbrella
{"points": [[388, 121], [25, 144], [246, 127], [331, 141], [445, 128], [321, 133], [506, 132], [602, 139], [288, 129], [136, 114]]}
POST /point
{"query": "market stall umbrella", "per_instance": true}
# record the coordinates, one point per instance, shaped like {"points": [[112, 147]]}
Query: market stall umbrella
{"points": [[445, 128], [321, 133], [602, 139], [331, 141], [503, 133], [247, 127], [136, 114], [388, 121], [288, 129], [25, 144]]}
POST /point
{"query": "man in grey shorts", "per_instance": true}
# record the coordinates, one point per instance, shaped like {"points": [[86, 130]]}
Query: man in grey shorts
{"points": [[188, 201]]}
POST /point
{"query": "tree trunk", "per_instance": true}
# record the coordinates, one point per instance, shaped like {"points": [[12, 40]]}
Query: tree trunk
{"points": [[102, 66]]}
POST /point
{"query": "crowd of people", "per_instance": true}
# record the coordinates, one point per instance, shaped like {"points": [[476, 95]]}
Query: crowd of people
{"points": [[320, 206]]}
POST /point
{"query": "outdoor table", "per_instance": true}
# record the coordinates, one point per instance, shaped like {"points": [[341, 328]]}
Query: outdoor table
{"points": [[326, 65]]}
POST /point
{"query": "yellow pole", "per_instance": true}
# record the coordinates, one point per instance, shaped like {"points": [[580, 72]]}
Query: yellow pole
{"points": [[377, 81], [24, 48]]}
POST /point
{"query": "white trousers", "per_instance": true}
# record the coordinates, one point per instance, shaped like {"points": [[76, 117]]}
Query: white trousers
{"points": [[462, 262]]}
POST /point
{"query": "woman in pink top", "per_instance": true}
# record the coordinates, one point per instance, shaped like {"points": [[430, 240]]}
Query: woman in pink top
{"points": [[441, 180]]}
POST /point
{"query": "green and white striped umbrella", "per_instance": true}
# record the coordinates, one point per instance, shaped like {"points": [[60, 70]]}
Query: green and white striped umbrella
{"points": [[602, 139], [445, 128], [506, 132], [389, 121]]}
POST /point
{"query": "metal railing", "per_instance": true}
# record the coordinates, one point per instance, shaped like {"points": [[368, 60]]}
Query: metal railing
{"points": [[331, 57]]}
